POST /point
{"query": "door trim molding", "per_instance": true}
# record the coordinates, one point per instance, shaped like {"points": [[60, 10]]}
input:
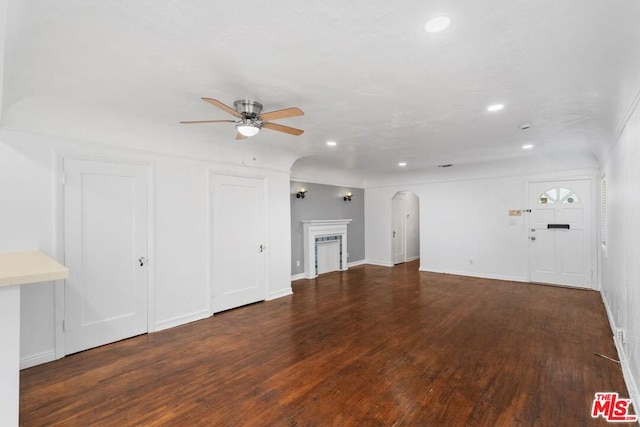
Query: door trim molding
{"points": [[59, 287]]}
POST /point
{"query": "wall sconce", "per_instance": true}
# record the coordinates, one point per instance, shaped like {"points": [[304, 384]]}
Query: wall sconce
{"points": [[348, 197], [300, 194]]}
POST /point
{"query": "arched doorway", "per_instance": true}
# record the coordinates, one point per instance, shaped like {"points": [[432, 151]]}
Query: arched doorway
{"points": [[405, 217]]}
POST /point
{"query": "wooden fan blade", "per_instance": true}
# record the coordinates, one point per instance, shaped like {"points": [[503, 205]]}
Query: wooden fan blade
{"points": [[190, 122], [282, 114], [222, 106], [240, 136], [282, 128]]}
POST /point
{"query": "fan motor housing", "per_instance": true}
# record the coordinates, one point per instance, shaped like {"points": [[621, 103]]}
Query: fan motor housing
{"points": [[249, 109]]}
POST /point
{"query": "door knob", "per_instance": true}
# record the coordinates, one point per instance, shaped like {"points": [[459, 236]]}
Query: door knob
{"points": [[262, 248], [533, 230], [142, 260], [533, 237], [394, 233]]}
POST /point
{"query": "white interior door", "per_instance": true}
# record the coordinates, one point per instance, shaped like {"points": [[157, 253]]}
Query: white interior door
{"points": [[560, 233], [105, 235], [238, 264], [398, 232]]}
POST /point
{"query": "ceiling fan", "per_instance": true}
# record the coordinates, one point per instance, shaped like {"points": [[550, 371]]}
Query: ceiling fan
{"points": [[251, 119]]}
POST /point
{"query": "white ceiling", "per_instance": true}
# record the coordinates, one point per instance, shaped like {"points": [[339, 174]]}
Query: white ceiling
{"points": [[366, 74]]}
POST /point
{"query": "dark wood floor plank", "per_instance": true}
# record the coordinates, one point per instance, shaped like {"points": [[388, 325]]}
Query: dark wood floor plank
{"points": [[371, 346]]}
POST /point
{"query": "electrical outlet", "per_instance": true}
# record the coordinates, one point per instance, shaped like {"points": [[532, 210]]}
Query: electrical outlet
{"points": [[620, 335]]}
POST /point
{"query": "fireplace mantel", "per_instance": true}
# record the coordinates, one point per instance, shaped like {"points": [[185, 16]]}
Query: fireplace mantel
{"points": [[315, 229]]}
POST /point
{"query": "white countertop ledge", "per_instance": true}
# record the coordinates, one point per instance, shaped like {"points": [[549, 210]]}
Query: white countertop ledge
{"points": [[19, 268]]}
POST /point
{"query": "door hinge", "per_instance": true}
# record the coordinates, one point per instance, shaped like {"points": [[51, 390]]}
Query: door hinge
{"points": [[64, 329]]}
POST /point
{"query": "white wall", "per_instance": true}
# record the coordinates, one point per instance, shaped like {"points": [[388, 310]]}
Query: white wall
{"points": [[27, 223], [9, 355], [620, 262], [465, 228], [179, 255], [4, 7], [320, 170], [459, 222], [464, 223], [180, 261]]}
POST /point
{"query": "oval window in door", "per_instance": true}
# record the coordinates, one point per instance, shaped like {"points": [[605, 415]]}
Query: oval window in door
{"points": [[558, 195]]}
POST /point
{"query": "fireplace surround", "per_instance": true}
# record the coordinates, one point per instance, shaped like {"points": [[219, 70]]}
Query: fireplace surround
{"points": [[320, 231]]}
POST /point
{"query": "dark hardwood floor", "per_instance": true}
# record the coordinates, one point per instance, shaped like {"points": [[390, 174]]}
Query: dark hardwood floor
{"points": [[371, 346]]}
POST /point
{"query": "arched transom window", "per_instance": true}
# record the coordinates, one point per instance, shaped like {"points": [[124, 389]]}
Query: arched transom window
{"points": [[558, 195]]}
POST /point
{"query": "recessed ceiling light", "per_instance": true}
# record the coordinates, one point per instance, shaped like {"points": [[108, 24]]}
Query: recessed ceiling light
{"points": [[527, 146], [402, 164], [437, 24], [495, 107], [332, 143]]}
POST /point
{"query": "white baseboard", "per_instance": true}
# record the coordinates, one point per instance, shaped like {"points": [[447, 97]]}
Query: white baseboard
{"points": [[356, 263], [181, 320], [632, 385], [478, 275], [280, 294], [349, 265], [37, 359], [380, 263], [412, 258]]}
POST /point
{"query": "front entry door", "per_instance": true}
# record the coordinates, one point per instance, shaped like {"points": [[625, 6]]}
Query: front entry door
{"points": [[238, 264], [560, 233], [105, 248]]}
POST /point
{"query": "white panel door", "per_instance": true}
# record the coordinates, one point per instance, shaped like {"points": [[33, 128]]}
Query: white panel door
{"points": [[238, 264], [398, 232], [105, 235], [560, 233]]}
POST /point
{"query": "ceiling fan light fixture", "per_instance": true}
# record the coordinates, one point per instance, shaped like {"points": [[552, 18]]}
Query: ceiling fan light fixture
{"points": [[251, 118], [495, 107], [247, 129], [437, 24]]}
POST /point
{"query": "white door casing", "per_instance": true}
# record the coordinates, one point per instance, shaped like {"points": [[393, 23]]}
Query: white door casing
{"points": [[238, 241], [398, 228], [105, 216], [560, 233]]}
